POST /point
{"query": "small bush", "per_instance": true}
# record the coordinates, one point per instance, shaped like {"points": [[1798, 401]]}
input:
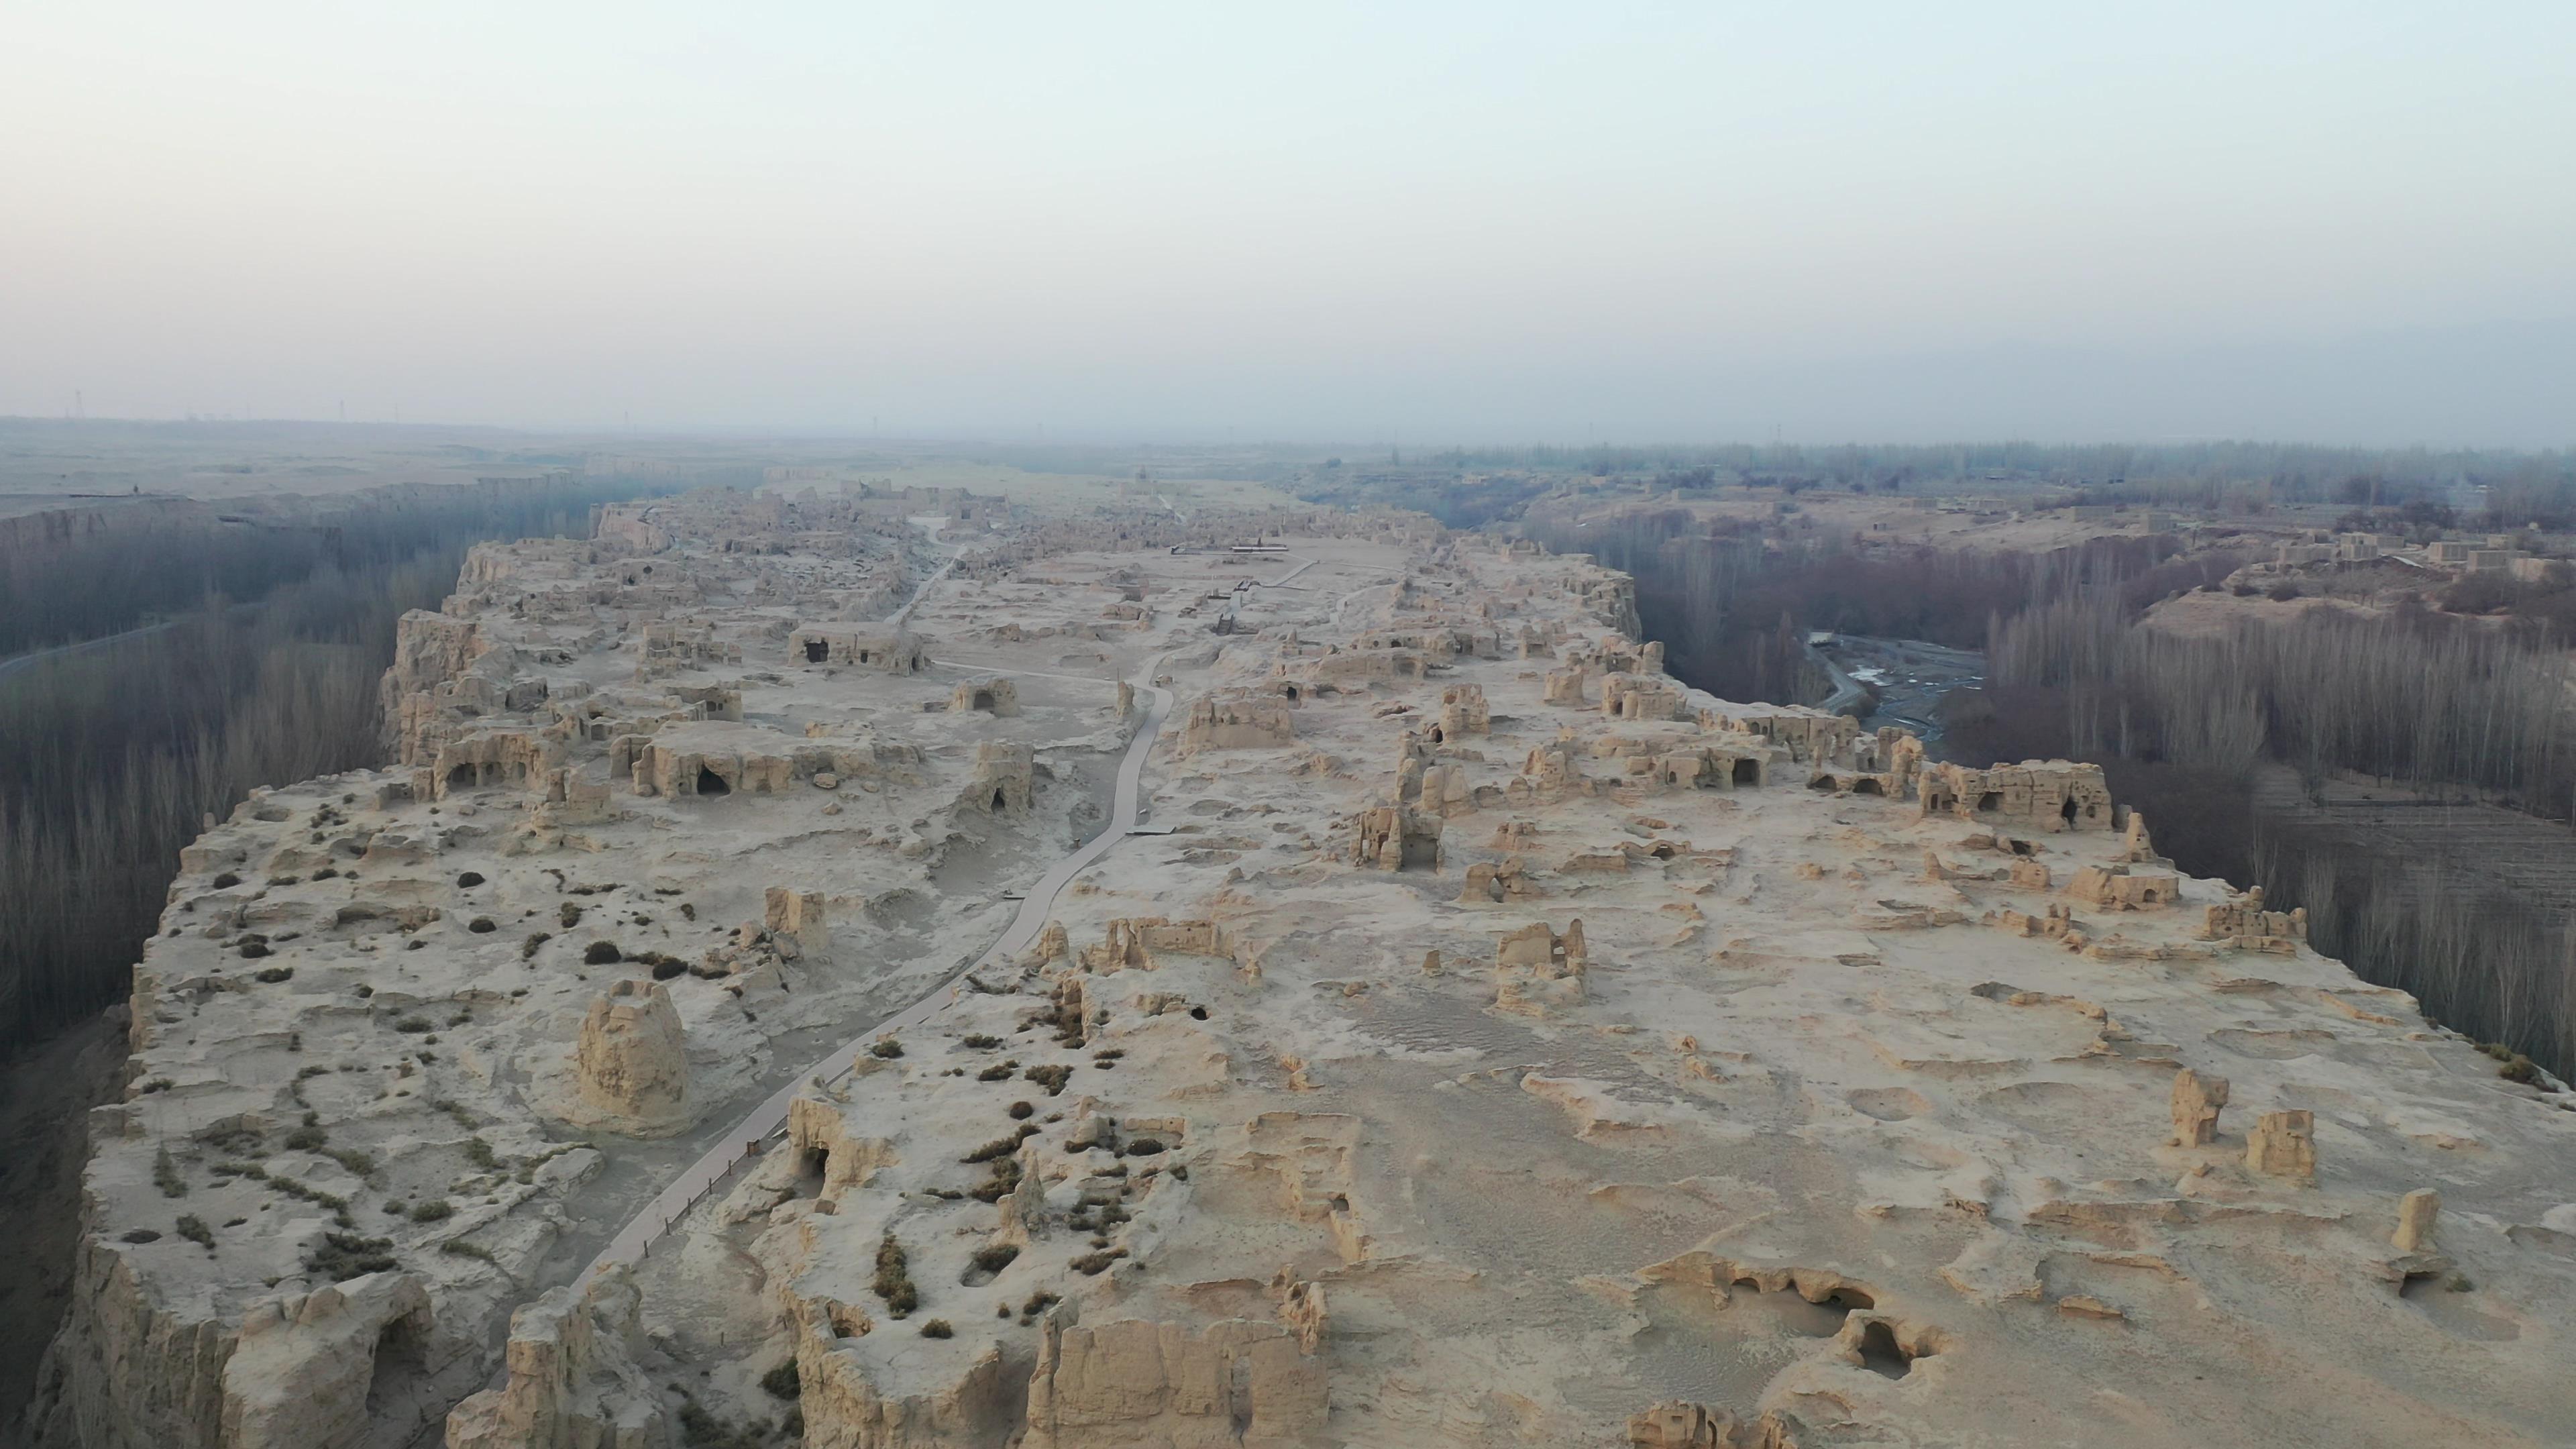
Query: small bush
{"points": [[271, 975], [306, 1139], [893, 1281], [938, 1328], [359, 1164], [482, 925], [1006, 1176], [194, 1229], [434, 1210], [980, 1041], [459, 1248], [994, 1257], [226, 881], [479, 1152], [669, 967], [343, 1256], [528, 947], [1144, 1147], [569, 913], [1094, 1264], [1001, 1146], [1000, 1073], [414, 1025], [469, 880], [142, 1235], [1022, 1109], [254, 948], [165, 1175], [886, 1049], [782, 1381], [601, 953], [1052, 1077]]}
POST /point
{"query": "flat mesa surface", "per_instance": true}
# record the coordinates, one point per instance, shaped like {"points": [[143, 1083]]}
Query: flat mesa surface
{"points": [[1505, 1044]]}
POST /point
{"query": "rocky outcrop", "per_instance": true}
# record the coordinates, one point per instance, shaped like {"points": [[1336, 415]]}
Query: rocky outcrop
{"points": [[2046, 796], [894, 651], [296, 1373], [1395, 837], [991, 694], [1237, 720], [573, 1380], [2196, 1100], [1463, 711], [852, 1398], [128, 1371], [2284, 1144], [795, 921], [1144, 1383], [1005, 779], [632, 1067], [303, 1365], [1538, 972], [2417, 1214]]}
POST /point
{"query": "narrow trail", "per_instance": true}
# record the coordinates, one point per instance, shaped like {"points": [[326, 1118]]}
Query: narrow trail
{"points": [[769, 1119]]}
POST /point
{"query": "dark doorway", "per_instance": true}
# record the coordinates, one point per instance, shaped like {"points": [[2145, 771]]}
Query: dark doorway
{"points": [[711, 783], [1748, 772], [816, 651]]}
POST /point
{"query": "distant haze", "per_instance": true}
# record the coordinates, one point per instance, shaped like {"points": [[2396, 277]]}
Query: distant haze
{"points": [[2344, 222]]}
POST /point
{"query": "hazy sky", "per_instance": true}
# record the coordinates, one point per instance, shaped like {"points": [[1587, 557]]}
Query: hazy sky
{"points": [[1478, 221]]}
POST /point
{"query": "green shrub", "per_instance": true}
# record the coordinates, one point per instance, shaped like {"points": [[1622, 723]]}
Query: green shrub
{"points": [[886, 1049], [343, 1256], [782, 1381], [271, 975], [194, 1229], [602, 953], [165, 1175], [893, 1281], [938, 1328], [434, 1210]]}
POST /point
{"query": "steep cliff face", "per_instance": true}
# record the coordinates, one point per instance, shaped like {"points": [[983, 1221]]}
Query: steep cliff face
{"points": [[573, 1379], [305, 1366], [129, 1371], [429, 650], [302, 1370]]}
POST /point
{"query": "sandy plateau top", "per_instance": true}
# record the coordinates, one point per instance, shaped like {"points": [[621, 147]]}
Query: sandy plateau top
{"points": [[1489, 1041]]}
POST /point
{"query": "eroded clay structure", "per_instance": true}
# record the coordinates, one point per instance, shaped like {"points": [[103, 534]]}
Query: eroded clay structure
{"points": [[1482, 1039]]}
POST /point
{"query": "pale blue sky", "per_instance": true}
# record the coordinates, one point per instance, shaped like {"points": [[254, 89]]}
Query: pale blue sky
{"points": [[1457, 221]]}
